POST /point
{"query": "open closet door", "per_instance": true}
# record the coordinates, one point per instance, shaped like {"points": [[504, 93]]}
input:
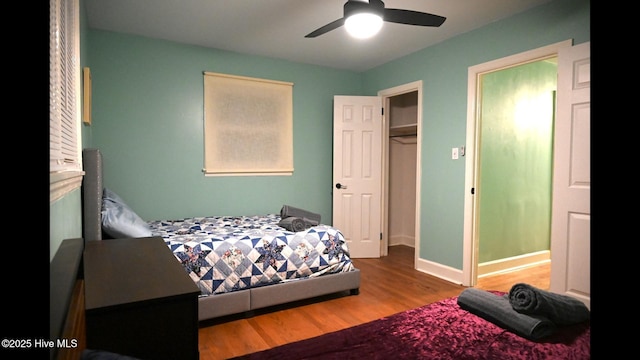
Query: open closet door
{"points": [[357, 172], [571, 213]]}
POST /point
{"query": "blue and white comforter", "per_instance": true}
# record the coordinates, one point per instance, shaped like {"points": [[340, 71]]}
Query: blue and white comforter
{"points": [[229, 253]]}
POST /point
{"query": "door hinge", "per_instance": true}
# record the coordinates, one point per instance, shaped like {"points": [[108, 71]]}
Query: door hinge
{"points": [[380, 236], [473, 191]]}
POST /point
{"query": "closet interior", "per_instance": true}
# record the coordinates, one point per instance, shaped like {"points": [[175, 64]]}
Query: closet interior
{"points": [[403, 130]]}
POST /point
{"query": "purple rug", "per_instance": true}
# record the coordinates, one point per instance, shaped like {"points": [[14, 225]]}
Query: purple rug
{"points": [[441, 330]]}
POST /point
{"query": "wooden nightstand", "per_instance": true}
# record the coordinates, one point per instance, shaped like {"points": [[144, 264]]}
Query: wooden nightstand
{"points": [[139, 300]]}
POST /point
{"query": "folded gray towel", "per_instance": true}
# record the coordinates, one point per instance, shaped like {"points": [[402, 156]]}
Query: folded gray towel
{"points": [[290, 211], [497, 309], [294, 224], [561, 309]]}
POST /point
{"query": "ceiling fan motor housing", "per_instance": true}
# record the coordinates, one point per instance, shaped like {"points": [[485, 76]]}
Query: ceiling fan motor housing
{"points": [[352, 7]]}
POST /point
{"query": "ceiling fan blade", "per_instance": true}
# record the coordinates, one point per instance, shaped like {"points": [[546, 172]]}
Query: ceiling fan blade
{"points": [[325, 29], [411, 17]]}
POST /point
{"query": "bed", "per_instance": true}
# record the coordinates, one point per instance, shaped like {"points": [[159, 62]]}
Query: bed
{"points": [[239, 263]]}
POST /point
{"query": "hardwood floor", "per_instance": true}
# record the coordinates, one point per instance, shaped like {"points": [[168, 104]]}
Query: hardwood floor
{"points": [[388, 285], [538, 276]]}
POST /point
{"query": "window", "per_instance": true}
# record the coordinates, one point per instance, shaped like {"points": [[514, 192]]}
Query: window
{"points": [[248, 126], [65, 163]]}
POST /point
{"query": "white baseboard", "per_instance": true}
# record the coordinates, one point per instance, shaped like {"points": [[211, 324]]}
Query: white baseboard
{"points": [[488, 268], [402, 240], [513, 263], [441, 271]]}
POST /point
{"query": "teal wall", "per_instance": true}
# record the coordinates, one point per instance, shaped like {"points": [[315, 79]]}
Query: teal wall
{"points": [[147, 120], [65, 220], [516, 160]]}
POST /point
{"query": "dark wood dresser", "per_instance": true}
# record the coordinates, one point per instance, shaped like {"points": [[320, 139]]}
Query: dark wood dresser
{"points": [[139, 300]]}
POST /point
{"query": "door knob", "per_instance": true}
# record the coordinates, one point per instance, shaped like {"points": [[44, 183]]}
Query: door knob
{"points": [[340, 186]]}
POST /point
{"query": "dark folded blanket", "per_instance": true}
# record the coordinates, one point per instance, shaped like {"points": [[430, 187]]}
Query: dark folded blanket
{"points": [[561, 309], [498, 310], [290, 211], [294, 224]]}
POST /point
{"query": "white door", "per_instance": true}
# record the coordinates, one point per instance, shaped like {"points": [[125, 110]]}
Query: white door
{"points": [[571, 209], [357, 172]]}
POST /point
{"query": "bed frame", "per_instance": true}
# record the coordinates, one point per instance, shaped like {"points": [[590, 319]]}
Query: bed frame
{"points": [[214, 306]]}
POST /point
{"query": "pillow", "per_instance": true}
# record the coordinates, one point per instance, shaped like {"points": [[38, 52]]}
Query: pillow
{"points": [[118, 220]]}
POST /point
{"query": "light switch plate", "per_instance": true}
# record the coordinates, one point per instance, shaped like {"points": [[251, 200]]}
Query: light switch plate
{"points": [[454, 153]]}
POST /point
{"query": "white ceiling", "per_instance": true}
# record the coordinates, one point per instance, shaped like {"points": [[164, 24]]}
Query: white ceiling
{"points": [[276, 28]]}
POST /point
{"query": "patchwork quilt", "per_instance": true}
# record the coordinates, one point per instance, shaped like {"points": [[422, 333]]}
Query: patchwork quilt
{"points": [[230, 253]]}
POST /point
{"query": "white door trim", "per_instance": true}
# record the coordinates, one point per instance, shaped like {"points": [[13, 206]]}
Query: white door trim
{"points": [[385, 95], [470, 243]]}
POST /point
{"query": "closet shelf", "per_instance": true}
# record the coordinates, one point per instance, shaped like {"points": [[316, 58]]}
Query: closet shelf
{"points": [[403, 130]]}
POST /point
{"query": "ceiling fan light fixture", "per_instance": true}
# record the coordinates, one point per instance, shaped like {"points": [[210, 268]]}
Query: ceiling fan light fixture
{"points": [[364, 18], [363, 25]]}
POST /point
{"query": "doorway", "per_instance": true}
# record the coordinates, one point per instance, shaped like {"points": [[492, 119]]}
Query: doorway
{"points": [[403, 139], [400, 211], [486, 222]]}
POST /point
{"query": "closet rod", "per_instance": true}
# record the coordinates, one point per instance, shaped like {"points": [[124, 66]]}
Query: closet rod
{"points": [[403, 135]]}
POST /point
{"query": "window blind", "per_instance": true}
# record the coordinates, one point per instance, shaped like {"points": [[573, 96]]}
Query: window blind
{"points": [[64, 80], [65, 157], [248, 126]]}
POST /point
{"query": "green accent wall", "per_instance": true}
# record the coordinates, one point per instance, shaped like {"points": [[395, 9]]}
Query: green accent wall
{"points": [[515, 160]]}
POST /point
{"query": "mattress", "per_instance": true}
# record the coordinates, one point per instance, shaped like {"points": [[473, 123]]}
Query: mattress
{"points": [[232, 253]]}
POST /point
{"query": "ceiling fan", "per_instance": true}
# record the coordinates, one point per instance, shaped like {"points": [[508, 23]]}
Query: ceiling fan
{"points": [[375, 9]]}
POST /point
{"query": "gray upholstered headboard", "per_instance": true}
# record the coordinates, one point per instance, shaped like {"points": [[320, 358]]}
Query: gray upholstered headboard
{"points": [[92, 194]]}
